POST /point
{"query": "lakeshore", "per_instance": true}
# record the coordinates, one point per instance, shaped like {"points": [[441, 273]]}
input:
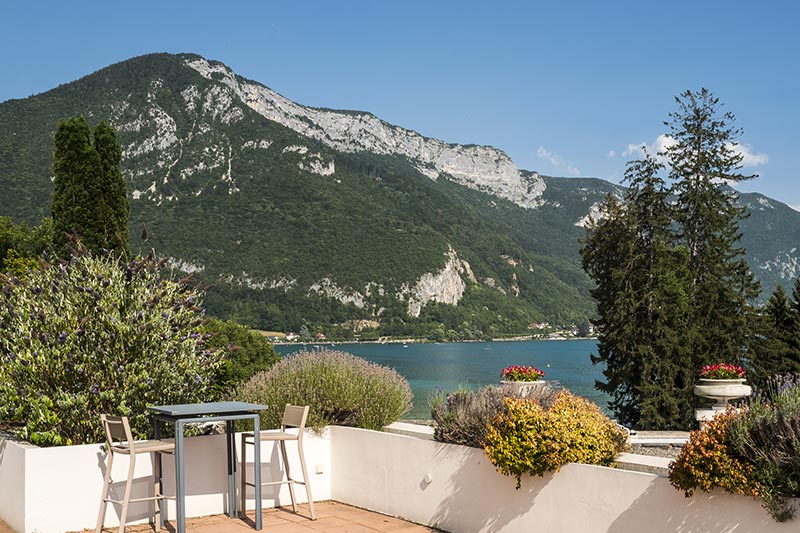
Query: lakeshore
{"points": [[431, 367]]}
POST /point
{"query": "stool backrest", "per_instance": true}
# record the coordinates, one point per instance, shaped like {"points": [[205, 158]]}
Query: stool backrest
{"points": [[294, 416], [118, 431]]}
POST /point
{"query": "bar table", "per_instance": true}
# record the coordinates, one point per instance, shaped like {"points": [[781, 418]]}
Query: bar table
{"points": [[183, 414]]}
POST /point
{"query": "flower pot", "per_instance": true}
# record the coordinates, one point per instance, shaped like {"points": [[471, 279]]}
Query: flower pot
{"points": [[721, 391], [522, 388]]}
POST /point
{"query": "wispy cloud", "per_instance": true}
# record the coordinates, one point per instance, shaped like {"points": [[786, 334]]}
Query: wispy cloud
{"points": [[558, 162], [661, 143], [612, 154], [750, 158]]}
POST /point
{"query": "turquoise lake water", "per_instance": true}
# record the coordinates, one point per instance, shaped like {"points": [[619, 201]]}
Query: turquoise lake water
{"points": [[447, 366]]}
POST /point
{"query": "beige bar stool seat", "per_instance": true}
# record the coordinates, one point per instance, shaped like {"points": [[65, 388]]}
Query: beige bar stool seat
{"points": [[120, 441], [294, 416]]}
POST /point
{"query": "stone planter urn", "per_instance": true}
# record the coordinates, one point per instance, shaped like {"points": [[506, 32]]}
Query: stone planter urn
{"points": [[721, 391], [522, 388]]}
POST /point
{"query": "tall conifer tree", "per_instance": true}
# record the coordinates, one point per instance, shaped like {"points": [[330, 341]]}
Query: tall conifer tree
{"points": [[673, 286], [89, 195], [703, 160], [777, 348], [115, 209], [641, 301]]}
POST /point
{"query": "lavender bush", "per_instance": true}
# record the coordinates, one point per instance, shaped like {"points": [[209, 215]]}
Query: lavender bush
{"points": [[462, 417], [340, 388], [91, 336]]}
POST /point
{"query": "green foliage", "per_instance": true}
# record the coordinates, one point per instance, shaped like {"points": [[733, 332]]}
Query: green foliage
{"points": [[89, 195], [673, 286], [245, 352], [340, 388], [21, 246], [462, 417], [88, 336], [533, 440], [707, 461]]}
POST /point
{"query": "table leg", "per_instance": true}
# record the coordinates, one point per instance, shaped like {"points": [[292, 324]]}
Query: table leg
{"points": [[257, 468], [162, 503], [232, 505], [180, 481]]}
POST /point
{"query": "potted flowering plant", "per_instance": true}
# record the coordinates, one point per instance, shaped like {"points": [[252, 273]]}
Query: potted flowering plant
{"points": [[521, 373], [722, 371], [721, 383], [521, 380]]}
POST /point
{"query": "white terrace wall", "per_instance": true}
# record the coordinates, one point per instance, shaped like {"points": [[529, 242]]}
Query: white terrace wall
{"points": [[52, 490], [387, 473]]}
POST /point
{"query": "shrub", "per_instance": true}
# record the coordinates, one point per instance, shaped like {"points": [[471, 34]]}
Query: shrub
{"points": [[707, 461], [340, 388], [244, 353], [462, 417], [534, 440], [767, 435], [91, 336]]}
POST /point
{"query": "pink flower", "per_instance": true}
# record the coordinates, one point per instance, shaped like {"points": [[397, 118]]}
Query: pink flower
{"points": [[722, 371], [521, 373]]}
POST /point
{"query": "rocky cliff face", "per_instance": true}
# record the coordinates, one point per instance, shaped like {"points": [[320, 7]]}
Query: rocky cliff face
{"points": [[481, 168]]}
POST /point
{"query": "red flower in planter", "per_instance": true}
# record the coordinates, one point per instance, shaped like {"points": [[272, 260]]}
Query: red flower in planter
{"points": [[521, 373], [722, 371]]}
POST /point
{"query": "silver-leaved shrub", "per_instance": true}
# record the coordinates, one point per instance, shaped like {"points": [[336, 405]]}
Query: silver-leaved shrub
{"points": [[92, 336], [340, 388]]}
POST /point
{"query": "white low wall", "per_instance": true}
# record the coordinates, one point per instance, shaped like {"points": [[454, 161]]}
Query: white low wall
{"points": [[52, 490], [387, 473], [455, 488]]}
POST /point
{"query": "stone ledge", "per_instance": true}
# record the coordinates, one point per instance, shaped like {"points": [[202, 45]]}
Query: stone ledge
{"points": [[410, 430], [648, 464]]}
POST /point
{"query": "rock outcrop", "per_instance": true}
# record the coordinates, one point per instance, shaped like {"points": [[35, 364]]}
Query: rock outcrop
{"points": [[481, 168]]}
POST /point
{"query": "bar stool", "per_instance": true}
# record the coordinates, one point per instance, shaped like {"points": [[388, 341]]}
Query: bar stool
{"points": [[294, 416], [119, 440]]}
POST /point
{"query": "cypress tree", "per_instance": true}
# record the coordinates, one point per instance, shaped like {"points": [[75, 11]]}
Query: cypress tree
{"points": [[89, 196], [113, 202]]}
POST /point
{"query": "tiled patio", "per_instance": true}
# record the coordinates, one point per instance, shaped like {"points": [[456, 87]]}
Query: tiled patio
{"points": [[332, 517]]}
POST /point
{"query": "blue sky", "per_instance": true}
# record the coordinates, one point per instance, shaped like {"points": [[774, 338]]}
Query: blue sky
{"points": [[565, 88]]}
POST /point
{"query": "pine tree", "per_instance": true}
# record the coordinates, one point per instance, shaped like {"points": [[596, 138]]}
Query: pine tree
{"points": [[673, 286], [641, 302], [89, 196], [777, 348], [606, 253], [702, 161]]}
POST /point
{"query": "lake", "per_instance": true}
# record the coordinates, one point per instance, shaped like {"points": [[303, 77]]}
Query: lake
{"points": [[448, 366]]}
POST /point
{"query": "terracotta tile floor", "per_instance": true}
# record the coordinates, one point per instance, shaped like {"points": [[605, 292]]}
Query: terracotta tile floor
{"points": [[332, 517]]}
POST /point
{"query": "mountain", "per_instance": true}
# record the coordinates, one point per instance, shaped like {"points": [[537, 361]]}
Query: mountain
{"points": [[300, 215]]}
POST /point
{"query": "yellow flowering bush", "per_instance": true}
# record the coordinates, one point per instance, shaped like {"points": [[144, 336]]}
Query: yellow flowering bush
{"points": [[531, 439]]}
